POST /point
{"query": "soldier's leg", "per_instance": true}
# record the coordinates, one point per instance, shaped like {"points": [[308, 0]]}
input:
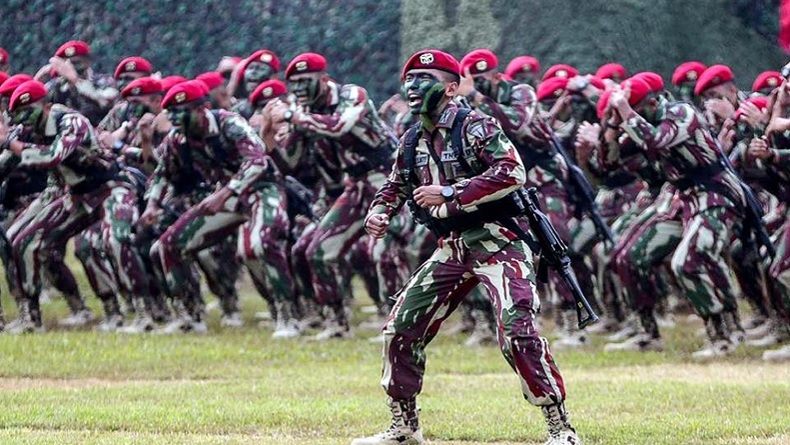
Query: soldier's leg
{"points": [[99, 273], [222, 268]]}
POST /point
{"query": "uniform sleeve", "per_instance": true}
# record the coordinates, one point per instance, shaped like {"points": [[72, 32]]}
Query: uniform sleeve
{"points": [[391, 196], [159, 181], [505, 172], [73, 131], [256, 165], [675, 129], [112, 121], [102, 96], [350, 110], [517, 114]]}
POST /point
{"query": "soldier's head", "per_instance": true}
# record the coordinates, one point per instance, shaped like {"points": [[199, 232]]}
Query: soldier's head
{"points": [[685, 78], [261, 65], [78, 53], [4, 64], [524, 69], [642, 98], [766, 82], [717, 82], [611, 73], [482, 64], [7, 89], [218, 93], [186, 108], [266, 92], [307, 78], [743, 128], [131, 68], [549, 92], [144, 96], [29, 106], [430, 79]]}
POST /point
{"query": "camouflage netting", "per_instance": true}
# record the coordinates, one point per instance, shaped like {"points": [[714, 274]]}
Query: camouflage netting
{"points": [[366, 41], [358, 37]]}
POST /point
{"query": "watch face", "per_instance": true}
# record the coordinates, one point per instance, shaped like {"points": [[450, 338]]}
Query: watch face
{"points": [[448, 192]]}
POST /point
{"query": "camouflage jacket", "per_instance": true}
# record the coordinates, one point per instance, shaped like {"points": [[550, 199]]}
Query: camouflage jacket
{"points": [[685, 149], [231, 154], [350, 130], [486, 149], [71, 150], [93, 97], [114, 118]]}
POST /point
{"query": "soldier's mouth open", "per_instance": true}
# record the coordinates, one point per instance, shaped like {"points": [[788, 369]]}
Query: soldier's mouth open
{"points": [[414, 99]]}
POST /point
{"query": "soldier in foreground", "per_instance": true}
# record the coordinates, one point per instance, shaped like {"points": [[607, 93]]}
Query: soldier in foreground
{"points": [[450, 183]]}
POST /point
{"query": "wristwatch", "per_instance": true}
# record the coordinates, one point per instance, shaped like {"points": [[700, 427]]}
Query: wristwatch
{"points": [[117, 146], [448, 193], [288, 115]]}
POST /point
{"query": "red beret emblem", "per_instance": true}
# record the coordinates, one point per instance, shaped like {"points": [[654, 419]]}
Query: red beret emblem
{"points": [[69, 51], [130, 67], [526, 68], [481, 65], [426, 58], [181, 97], [772, 82], [301, 65], [561, 73], [268, 91], [266, 57], [715, 81], [24, 98], [691, 75], [558, 92], [136, 91]]}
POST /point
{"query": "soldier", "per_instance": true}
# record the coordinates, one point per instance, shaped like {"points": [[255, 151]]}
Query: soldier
{"points": [[130, 69], [611, 73], [485, 252], [95, 191], [706, 209], [340, 124], [684, 78], [766, 82], [524, 69], [560, 70], [77, 86], [218, 93], [260, 66], [221, 147]]}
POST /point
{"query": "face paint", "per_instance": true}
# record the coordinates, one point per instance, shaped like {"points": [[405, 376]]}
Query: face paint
{"points": [[484, 86], [28, 117], [80, 66], [123, 81], [306, 89], [424, 92], [255, 73], [179, 117], [136, 110]]}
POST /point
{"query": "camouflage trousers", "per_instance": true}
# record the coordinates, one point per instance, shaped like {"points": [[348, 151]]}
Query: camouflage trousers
{"points": [[61, 219], [555, 204], [261, 221], [390, 257], [89, 250], [779, 270], [436, 289], [334, 235], [699, 244]]}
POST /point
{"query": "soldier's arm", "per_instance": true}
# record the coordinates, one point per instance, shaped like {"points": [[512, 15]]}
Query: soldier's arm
{"points": [[290, 154], [677, 127], [102, 96], [505, 172], [515, 116], [349, 112], [391, 196], [112, 121], [256, 166], [73, 131]]}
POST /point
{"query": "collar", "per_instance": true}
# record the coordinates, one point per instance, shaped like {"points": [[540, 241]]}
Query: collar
{"points": [[447, 117]]}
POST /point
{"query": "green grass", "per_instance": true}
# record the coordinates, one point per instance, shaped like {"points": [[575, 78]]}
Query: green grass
{"points": [[240, 387]]}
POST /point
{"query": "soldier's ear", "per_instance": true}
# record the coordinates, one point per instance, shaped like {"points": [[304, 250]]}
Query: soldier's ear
{"points": [[450, 89]]}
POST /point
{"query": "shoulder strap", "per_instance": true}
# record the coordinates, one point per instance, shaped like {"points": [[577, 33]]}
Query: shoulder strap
{"points": [[410, 139], [456, 138]]}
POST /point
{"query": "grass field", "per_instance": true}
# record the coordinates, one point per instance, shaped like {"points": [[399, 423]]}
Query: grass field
{"points": [[240, 387]]}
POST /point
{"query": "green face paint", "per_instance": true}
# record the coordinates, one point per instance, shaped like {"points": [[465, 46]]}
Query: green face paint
{"points": [[255, 73], [80, 66], [27, 117], [123, 81], [484, 86], [179, 117], [424, 92], [305, 89], [136, 110]]}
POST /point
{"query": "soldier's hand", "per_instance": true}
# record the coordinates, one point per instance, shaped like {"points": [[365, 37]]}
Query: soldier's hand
{"points": [[64, 68], [377, 224], [150, 215], [146, 127], [466, 85], [106, 140], [726, 136], [721, 108], [429, 195], [759, 149], [587, 139], [754, 116]]}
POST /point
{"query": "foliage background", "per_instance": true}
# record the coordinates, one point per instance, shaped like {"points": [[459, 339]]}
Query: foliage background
{"points": [[366, 41]]}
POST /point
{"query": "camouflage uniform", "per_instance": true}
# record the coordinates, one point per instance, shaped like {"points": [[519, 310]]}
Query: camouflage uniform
{"points": [[233, 155], [491, 255], [92, 97], [704, 215], [347, 132]]}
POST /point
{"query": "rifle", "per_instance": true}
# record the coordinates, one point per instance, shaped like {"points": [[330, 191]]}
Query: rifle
{"points": [[582, 192], [554, 254]]}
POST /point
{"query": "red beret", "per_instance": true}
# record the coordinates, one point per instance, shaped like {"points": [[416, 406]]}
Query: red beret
{"points": [[184, 92], [262, 55], [3, 77], [611, 70], [687, 72], [597, 82], [479, 61], [713, 77], [603, 101], [212, 79], [552, 88], [760, 102], [560, 70], [73, 48], [171, 81], [8, 87], [432, 59], [767, 80], [306, 63], [654, 80], [640, 89], [143, 86], [268, 90], [3, 56], [133, 65], [522, 64], [27, 93]]}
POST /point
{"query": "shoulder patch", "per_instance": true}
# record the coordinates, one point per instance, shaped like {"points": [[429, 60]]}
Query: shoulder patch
{"points": [[476, 129]]}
